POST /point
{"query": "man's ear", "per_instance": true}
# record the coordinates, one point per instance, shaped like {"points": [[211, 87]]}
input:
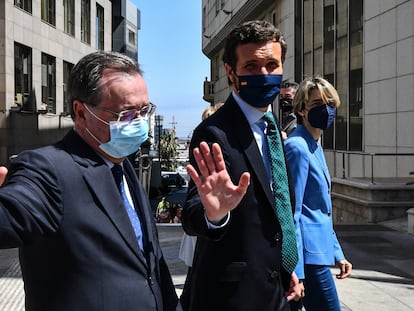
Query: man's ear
{"points": [[79, 110]]}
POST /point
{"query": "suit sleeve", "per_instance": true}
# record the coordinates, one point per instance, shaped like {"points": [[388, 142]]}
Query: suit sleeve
{"points": [[194, 221], [298, 163], [30, 200]]}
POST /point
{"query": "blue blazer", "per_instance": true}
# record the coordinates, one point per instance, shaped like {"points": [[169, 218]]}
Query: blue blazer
{"points": [[316, 238]]}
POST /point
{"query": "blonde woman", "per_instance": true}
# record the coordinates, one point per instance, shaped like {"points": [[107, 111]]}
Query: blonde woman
{"points": [[315, 105]]}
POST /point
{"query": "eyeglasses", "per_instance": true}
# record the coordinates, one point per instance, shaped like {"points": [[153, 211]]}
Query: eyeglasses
{"points": [[131, 114]]}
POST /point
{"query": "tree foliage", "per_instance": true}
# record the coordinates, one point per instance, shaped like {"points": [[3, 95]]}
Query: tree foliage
{"points": [[168, 150]]}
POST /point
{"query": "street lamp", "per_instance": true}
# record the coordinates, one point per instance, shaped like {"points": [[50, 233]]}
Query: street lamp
{"points": [[158, 123]]}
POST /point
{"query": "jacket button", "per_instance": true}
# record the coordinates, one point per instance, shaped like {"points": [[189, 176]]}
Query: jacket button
{"points": [[278, 237], [274, 274]]}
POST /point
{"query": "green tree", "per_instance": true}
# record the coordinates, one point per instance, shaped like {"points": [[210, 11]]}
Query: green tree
{"points": [[168, 151]]}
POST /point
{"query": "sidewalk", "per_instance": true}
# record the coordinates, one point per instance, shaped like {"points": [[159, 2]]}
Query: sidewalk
{"points": [[382, 256], [383, 266]]}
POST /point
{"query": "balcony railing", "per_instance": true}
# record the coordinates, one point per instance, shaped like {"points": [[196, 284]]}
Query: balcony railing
{"points": [[344, 155]]}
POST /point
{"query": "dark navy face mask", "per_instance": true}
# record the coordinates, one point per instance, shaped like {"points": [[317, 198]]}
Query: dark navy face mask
{"points": [[259, 90], [322, 117]]}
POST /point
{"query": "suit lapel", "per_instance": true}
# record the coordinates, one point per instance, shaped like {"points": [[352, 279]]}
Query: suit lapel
{"points": [[141, 204], [242, 131], [322, 163], [101, 183], [112, 203]]}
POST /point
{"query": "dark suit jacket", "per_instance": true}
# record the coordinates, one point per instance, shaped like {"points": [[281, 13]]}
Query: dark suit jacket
{"points": [[78, 250], [237, 267]]}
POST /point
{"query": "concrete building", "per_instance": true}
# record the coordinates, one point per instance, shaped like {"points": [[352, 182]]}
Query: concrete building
{"points": [[41, 40], [366, 49]]}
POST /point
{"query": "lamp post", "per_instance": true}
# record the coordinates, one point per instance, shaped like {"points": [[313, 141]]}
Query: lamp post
{"points": [[158, 123]]}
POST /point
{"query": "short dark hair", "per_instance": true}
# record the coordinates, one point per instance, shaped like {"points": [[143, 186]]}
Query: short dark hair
{"points": [[251, 32], [287, 84], [84, 79]]}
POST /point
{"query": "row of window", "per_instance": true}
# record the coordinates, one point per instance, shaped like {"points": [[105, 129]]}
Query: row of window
{"points": [[48, 15], [330, 44], [25, 97]]}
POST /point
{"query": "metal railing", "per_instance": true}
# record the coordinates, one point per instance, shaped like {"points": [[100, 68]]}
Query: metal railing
{"points": [[372, 156]]}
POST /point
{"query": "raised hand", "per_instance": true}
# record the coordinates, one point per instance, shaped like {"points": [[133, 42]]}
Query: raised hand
{"points": [[217, 192], [3, 173]]}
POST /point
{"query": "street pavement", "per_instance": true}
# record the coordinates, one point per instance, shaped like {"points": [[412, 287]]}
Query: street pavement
{"points": [[382, 256]]}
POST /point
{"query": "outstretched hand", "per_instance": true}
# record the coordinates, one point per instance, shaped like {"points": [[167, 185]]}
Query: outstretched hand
{"points": [[217, 192], [3, 173]]}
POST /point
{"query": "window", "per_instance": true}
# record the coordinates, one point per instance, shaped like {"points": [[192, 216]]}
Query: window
{"points": [[48, 83], [24, 4], [355, 21], [328, 27], [23, 77], [132, 37], [69, 16], [86, 21], [99, 27], [203, 19], [218, 6], [48, 11], [340, 58], [67, 67]]}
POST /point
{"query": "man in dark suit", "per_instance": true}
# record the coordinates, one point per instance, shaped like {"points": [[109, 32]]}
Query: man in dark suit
{"points": [[230, 206], [88, 240]]}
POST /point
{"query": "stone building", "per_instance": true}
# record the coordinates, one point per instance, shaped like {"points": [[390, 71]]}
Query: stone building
{"points": [[366, 49], [40, 41]]}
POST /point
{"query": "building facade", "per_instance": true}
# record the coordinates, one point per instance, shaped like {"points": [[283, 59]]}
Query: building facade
{"points": [[41, 40], [365, 48]]}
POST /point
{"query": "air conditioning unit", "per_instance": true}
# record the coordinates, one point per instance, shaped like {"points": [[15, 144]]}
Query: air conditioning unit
{"points": [[18, 99], [208, 94]]}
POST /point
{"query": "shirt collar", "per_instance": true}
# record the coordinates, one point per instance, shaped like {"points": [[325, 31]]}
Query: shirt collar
{"points": [[252, 114]]}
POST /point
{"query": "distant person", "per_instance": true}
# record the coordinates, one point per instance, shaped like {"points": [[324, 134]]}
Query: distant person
{"points": [[188, 242], [210, 110], [177, 216], [286, 96], [315, 105], [75, 209], [163, 211], [233, 205]]}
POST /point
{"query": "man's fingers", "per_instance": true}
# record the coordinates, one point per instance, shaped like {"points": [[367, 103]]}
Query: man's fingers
{"points": [[207, 153], [3, 173], [201, 163], [218, 157], [244, 182]]}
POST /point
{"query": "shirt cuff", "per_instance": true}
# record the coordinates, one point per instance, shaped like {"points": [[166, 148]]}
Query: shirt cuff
{"points": [[220, 225]]}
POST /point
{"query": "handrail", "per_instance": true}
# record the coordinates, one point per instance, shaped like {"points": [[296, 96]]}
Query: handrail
{"points": [[370, 154]]}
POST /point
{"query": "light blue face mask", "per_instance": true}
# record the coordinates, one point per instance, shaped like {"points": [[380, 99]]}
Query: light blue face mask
{"points": [[126, 136]]}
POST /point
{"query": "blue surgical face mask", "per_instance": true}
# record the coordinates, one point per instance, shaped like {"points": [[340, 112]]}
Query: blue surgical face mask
{"points": [[126, 136], [259, 90], [322, 117]]}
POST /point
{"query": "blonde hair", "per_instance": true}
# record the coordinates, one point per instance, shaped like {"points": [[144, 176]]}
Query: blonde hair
{"points": [[328, 93], [210, 110]]}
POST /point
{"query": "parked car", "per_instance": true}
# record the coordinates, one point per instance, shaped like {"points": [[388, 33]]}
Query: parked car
{"points": [[172, 179]]}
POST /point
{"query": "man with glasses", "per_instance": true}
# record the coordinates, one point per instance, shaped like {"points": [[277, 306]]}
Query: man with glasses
{"points": [[76, 210]]}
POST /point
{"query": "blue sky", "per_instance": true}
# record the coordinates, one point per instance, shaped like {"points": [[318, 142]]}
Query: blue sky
{"points": [[169, 53]]}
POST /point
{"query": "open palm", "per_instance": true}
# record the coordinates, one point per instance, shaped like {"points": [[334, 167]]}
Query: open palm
{"points": [[217, 192]]}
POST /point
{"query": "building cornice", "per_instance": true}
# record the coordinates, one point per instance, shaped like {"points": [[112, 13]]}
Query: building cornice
{"points": [[251, 9]]}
